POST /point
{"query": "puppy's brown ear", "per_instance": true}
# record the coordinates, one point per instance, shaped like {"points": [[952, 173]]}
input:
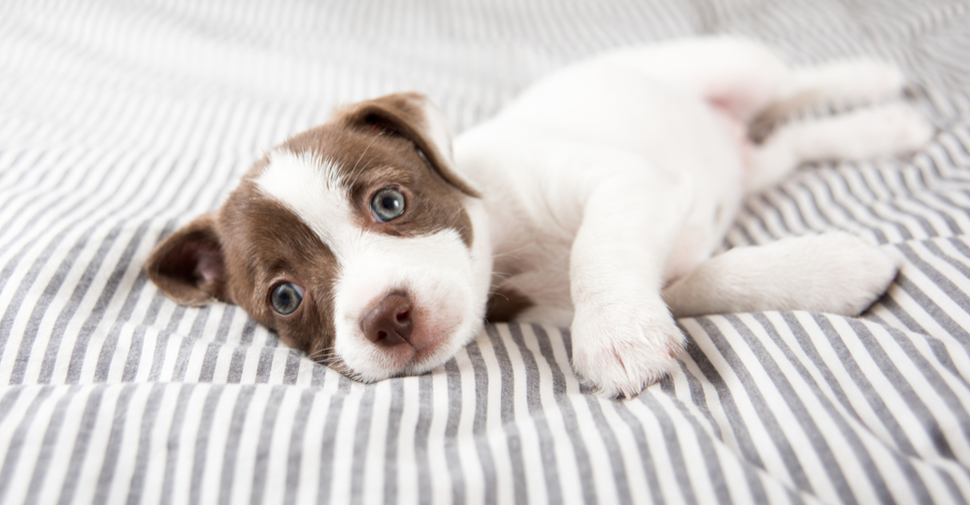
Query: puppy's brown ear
{"points": [[413, 117], [188, 265]]}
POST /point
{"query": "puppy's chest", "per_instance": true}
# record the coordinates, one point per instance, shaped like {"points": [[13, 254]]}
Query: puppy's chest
{"points": [[530, 277]]}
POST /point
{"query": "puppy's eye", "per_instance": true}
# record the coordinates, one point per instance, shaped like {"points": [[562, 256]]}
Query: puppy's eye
{"points": [[286, 298], [387, 204]]}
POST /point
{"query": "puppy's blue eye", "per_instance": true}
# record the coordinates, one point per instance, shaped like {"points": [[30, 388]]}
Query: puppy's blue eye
{"points": [[387, 204], [286, 298]]}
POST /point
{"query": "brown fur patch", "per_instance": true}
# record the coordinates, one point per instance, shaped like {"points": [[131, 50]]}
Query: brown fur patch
{"points": [[178, 265], [505, 303], [403, 115], [265, 244]]}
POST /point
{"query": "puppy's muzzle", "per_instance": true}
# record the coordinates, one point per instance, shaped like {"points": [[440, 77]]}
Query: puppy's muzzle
{"points": [[389, 323]]}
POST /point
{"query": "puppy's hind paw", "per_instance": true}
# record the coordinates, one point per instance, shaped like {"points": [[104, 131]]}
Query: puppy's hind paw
{"points": [[887, 130], [618, 353], [849, 273]]}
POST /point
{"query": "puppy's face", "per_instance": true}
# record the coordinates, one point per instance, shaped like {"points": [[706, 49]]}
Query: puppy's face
{"points": [[355, 241]]}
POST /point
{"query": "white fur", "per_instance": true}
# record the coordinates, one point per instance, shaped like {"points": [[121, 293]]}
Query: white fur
{"points": [[314, 189], [848, 81], [785, 275]]}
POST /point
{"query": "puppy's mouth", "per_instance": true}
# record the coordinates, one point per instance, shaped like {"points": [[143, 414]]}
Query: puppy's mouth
{"points": [[415, 358]]}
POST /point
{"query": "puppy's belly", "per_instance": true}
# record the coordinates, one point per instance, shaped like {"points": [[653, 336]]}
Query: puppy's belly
{"points": [[673, 130], [602, 104]]}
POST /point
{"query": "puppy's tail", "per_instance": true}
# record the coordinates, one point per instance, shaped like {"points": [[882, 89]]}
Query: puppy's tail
{"points": [[835, 273]]}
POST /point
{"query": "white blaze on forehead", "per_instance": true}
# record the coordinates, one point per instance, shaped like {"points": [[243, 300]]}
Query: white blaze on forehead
{"points": [[315, 190]]}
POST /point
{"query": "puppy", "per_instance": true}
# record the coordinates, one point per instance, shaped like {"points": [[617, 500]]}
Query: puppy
{"points": [[594, 201]]}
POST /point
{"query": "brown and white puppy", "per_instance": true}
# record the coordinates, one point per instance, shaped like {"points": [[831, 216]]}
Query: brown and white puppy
{"points": [[360, 206], [594, 201]]}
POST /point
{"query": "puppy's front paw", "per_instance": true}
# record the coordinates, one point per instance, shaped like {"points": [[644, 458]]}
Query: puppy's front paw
{"points": [[620, 350]]}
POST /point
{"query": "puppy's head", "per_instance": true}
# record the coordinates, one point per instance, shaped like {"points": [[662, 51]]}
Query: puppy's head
{"points": [[356, 241]]}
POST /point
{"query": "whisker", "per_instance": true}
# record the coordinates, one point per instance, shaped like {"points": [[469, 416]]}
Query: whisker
{"points": [[513, 251], [361, 171], [321, 354], [490, 293], [323, 349], [352, 170]]}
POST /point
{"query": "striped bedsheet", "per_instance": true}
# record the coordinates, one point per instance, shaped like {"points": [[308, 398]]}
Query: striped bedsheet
{"points": [[120, 121]]}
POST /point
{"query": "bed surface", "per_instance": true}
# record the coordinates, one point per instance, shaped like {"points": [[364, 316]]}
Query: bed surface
{"points": [[120, 122]]}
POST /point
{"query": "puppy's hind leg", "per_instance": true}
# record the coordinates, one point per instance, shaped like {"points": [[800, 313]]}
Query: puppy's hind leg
{"points": [[835, 273], [739, 76], [843, 82], [886, 130]]}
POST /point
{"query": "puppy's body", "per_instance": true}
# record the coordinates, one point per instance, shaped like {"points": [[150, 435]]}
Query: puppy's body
{"points": [[594, 201], [660, 156]]}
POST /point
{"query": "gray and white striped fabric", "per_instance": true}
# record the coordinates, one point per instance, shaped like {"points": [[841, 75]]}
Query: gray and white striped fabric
{"points": [[120, 121]]}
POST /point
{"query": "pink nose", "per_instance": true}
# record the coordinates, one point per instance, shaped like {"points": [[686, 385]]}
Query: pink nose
{"points": [[389, 322]]}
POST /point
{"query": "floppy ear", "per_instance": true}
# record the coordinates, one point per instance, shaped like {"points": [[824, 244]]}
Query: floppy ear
{"points": [[413, 117], [188, 265]]}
